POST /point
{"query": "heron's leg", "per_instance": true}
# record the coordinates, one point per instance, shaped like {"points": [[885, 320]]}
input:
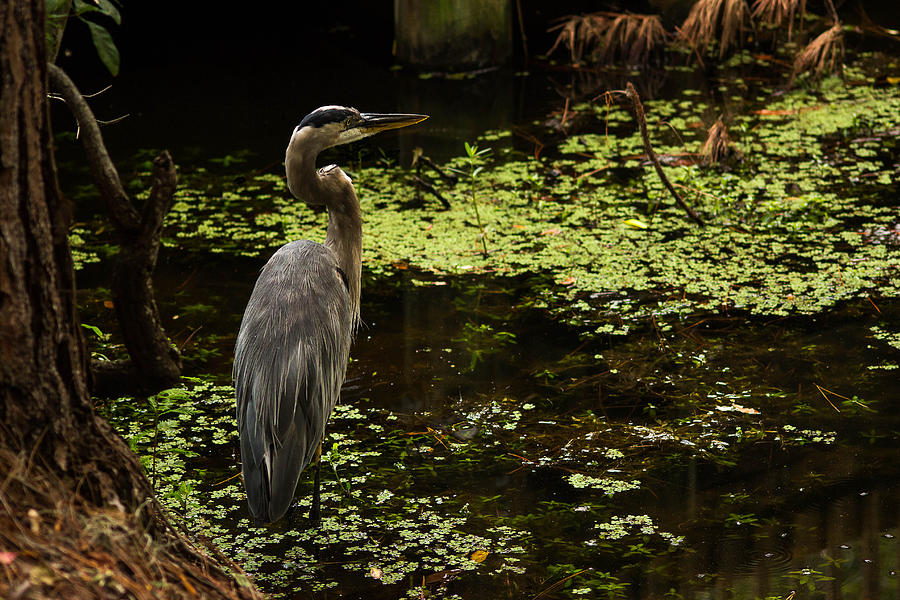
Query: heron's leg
{"points": [[314, 512]]}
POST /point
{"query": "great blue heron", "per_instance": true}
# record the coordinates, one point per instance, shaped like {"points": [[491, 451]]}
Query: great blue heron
{"points": [[292, 349]]}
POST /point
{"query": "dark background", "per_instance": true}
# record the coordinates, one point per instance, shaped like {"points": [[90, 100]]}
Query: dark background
{"points": [[210, 79]]}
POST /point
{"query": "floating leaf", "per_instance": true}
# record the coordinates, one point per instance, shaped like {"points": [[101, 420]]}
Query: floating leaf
{"points": [[479, 555], [738, 408], [636, 223]]}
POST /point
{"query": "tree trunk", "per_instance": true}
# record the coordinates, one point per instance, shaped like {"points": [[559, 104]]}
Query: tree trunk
{"points": [[44, 402], [64, 472], [453, 34]]}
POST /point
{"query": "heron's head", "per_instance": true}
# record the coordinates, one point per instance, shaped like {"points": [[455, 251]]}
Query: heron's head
{"points": [[325, 127], [333, 125]]}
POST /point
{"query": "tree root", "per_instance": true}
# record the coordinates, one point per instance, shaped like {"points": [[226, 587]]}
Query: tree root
{"points": [[57, 544]]}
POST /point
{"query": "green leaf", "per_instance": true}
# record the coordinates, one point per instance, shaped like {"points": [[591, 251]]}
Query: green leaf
{"points": [[94, 329], [106, 47], [57, 12], [82, 7], [109, 9], [104, 7]]}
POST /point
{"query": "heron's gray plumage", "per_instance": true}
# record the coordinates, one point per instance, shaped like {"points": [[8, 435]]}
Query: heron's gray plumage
{"points": [[287, 387], [294, 342]]}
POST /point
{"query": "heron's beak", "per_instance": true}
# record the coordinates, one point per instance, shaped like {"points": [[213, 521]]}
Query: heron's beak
{"points": [[375, 122]]}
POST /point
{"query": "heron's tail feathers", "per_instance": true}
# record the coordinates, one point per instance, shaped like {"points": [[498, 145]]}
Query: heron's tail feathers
{"points": [[271, 472]]}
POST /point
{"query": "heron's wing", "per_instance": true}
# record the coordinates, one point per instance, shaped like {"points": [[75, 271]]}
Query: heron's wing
{"points": [[289, 365]]}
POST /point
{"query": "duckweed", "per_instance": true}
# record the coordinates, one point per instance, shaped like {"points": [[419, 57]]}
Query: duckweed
{"points": [[560, 456]]}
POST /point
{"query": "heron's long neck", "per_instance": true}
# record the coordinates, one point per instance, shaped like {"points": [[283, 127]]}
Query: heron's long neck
{"points": [[344, 238], [333, 188]]}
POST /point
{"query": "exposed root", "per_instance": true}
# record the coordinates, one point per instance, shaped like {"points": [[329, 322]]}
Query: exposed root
{"points": [[717, 148], [778, 12], [55, 544]]}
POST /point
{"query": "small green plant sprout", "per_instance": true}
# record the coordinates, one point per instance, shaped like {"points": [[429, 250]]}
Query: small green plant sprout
{"points": [[808, 578], [102, 340], [181, 494], [482, 340], [475, 156], [740, 520], [333, 457]]}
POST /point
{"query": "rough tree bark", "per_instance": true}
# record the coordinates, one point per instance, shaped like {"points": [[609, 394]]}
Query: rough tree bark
{"points": [[154, 364], [44, 402], [50, 437]]}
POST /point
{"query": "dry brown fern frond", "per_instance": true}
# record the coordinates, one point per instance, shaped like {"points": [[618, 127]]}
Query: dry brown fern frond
{"points": [[822, 54], [718, 147], [567, 36], [610, 37], [715, 20], [777, 13]]}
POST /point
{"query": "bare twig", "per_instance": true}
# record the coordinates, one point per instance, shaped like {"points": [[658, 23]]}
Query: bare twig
{"points": [[448, 177], [522, 30], [832, 12], [648, 148], [123, 214], [97, 93]]}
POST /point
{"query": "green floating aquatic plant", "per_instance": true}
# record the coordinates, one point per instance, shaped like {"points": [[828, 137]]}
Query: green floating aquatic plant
{"points": [[787, 236]]}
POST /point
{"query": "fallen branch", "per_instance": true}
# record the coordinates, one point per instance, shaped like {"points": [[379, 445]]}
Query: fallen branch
{"points": [[448, 177], [424, 185], [648, 148]]}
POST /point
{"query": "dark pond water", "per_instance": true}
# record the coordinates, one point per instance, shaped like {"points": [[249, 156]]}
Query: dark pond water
{"points": [[455, 440], [485, 449]]}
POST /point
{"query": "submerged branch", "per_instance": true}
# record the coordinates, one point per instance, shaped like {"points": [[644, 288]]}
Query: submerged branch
{"points": [[426, 186]]}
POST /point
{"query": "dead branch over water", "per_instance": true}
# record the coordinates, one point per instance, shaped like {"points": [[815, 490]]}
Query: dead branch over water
{"points": [[648, 148]]}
